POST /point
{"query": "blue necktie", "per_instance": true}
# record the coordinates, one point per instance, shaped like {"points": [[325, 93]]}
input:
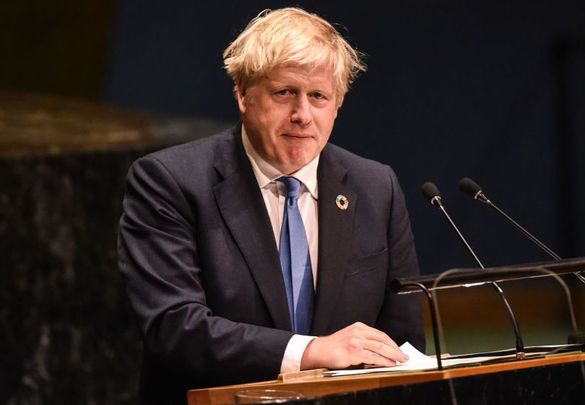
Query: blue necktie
{"points": [[296, 261]]}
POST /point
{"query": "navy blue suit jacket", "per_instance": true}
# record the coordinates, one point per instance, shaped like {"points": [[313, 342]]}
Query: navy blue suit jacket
{"points": [[202, 270]]}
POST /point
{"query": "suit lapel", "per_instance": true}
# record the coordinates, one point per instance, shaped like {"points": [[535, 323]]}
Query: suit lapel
{"points": [[335, 230], [241, 205]]}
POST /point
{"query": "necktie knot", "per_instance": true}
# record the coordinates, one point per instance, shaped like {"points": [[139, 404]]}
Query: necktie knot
{"points": [[292, 185]]}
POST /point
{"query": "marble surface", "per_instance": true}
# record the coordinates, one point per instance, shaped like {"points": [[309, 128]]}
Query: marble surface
{"points": [[560, 384], [68, 332], [67, 335]]}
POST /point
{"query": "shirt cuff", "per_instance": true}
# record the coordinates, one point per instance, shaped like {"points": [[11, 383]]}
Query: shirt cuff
{"points": [[293, 354]]}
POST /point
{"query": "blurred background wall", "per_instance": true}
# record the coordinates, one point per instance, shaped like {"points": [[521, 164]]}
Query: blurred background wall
{"points": [[492, 90]]}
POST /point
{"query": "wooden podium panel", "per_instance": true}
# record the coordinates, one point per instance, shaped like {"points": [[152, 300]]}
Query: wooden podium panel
{"points": [[320, 386]]}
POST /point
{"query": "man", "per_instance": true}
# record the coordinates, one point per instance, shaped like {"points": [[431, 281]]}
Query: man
{"points": [[208, 243]]}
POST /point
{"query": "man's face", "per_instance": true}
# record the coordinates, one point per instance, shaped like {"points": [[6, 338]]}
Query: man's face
{"points": [[289, 114]]}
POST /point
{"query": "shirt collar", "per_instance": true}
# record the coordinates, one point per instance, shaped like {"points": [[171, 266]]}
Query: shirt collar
{"points": [[266, 173]]}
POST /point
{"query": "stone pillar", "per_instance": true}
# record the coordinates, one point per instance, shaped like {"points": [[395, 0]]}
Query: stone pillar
{"points": [[67, 334]]}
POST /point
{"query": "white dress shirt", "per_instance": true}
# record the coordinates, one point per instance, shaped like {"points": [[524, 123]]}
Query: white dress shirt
{"points": [[274, 196]]}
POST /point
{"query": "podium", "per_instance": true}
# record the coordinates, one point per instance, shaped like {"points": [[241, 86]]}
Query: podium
{"points": [[558, 379], [550, 378]]}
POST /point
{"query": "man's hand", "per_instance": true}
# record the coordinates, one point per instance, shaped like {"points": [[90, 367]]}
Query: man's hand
{"points": [[353, 345]]}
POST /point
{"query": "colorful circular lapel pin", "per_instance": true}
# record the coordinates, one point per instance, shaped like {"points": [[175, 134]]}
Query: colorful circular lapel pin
{"points": [[342, 202]]}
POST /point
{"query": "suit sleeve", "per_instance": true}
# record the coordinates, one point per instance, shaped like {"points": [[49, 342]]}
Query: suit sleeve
{"points": [[159, 260], [401, 315]]}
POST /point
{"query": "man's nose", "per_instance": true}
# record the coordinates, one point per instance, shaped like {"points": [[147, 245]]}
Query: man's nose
{"points": [[301, 113]]}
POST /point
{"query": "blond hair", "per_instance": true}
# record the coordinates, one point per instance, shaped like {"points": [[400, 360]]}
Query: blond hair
{"points": [[291, 35]]}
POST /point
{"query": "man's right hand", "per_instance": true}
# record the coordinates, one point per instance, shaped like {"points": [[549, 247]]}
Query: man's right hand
{"points": [[350, 346]]}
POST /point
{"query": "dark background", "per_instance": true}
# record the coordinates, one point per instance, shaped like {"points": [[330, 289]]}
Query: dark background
{"points": [[483, 89], [492, 90]]}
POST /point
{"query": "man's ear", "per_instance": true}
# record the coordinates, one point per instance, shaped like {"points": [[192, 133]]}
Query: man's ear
{"points": [[241, 97], [339, 101]]}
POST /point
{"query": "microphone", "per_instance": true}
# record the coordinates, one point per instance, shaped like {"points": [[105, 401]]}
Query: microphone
{"points": [[471, 188], [432, 194]]}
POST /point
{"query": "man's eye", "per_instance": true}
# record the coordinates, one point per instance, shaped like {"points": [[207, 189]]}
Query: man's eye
{"points": [[319, 96], [283, 92]]}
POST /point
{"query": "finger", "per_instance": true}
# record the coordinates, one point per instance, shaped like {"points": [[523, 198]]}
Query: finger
{"points": [[387, 351], [374, 359], [377, 335]]}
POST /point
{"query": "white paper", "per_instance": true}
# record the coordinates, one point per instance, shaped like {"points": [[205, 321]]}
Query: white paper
{"points": [[417, 361]]}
